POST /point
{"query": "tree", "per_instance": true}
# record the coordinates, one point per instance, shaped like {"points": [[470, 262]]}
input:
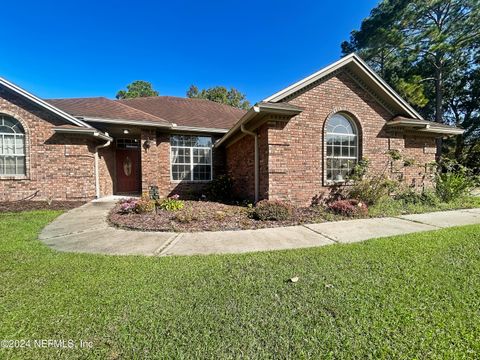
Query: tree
{"points": [[220, 94], [136, 89], [422, 48]]}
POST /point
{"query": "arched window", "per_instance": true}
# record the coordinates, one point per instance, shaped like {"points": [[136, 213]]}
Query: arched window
{"points": [[12, 147], [341, 139]]}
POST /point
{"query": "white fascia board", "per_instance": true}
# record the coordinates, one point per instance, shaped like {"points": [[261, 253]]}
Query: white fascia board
{"points": [[18, 90], [127, 122], [337, 65], [87, 131], [156, 124], [308, 80], [199, 129]]}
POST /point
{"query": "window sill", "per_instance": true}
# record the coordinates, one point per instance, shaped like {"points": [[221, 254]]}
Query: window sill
{"points": [[339, 183], [190, 181], [14, 177]]}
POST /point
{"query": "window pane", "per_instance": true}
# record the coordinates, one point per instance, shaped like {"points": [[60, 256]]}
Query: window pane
{"points": [[180, 155], [20, 165], [9, 144], [353, 152], [201, 156], [19, 145], [336, 151], [2, 165], [203, 141], [181, 172], [201, 172], [329, 150], [9, 165], [345, 151]]}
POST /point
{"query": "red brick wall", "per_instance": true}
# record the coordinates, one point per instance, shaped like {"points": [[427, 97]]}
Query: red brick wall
{"points": [[59, 167], [294, 166]]}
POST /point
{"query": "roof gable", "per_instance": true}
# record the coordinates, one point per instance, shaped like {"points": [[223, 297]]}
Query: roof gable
{"points": [[43, 104], [362, 73]]}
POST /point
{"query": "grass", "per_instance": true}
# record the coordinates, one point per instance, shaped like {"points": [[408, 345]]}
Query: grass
{"points": [[415, 296], [390, 207]]}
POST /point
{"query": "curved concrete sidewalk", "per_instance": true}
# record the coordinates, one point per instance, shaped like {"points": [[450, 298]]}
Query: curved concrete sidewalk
{"points": [[86, 230]]}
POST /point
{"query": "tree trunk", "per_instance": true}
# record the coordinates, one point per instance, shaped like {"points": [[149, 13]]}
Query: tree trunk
{"points": [[439, 99]]}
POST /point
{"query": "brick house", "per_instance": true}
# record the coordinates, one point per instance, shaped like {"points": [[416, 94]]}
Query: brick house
{"points": [[293, 145]]}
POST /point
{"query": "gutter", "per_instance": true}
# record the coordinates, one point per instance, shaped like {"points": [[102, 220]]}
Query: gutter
{"points": [[172, 126], [425, 126], [86, 131], [257, 162], [97, 171]]}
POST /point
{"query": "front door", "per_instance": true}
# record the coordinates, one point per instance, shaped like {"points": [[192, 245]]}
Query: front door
{"points": [[128, 171]]}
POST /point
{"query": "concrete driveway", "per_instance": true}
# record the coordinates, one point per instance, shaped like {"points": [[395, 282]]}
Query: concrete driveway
{"points": [[86, 230]]}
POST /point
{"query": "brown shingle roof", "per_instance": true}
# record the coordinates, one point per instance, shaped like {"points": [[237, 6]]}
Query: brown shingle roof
{"points": [[100, 107], [188, 112]]}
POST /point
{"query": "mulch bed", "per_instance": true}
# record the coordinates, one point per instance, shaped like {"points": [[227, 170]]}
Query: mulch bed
{"points": [[28, 205], [206, 216]]}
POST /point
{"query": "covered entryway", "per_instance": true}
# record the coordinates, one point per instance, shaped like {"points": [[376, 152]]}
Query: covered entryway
{"points": [[128, 167]]}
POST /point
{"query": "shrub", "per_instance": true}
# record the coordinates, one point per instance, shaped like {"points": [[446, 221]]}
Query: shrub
{"points": [[348, 207], [451, 185], [370, 190], [414, 197], [185, 217], [172, 203], [272, 210], [144, 205], [127, 206], [453, 181], [220, 189]]}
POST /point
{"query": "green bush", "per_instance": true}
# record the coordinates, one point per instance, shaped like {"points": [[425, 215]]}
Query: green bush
{"points": [[273, 210], [371, 189], [415, 197], [453, 181], [172, 203], [220, 189]]}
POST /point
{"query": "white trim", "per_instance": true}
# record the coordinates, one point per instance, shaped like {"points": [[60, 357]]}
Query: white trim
{"points": [[352, 58], [91, 131], [43, 103], [126, 122], [172, 126], [355, 158]]}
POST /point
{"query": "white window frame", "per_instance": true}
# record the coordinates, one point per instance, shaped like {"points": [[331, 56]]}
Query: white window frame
{"points": [[355, 159], [191, 163], [15, 155]]}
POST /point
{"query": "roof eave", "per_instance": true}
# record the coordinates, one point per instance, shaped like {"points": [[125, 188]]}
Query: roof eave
{"points": [[83, 131], [424, 127], [127, 122], [18, 90], [260, 108]]}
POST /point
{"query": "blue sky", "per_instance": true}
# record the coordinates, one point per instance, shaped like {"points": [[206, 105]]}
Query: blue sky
{"points": [[94, 48]]}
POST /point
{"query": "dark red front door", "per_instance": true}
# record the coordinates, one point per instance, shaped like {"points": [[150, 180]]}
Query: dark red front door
{"points": [[128, 171]]}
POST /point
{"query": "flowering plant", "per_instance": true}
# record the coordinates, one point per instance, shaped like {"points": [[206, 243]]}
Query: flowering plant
{"points": [[128, 205]]}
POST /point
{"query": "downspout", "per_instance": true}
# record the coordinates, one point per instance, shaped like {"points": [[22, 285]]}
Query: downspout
{"points": [[257, 162], [97, 175]]}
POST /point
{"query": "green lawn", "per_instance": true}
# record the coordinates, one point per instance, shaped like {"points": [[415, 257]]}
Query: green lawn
{"points": [[414, 296]]}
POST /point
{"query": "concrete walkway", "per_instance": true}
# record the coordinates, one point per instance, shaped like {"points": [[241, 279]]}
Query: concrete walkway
{"points": [[85, 229]]}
